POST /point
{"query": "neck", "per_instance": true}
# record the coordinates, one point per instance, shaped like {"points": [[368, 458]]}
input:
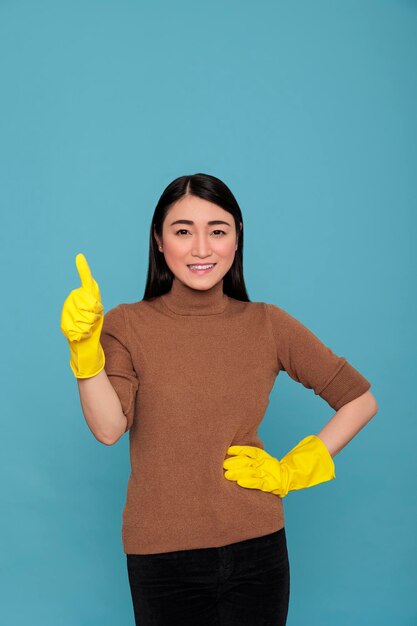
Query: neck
{"points": [[186, 300]]}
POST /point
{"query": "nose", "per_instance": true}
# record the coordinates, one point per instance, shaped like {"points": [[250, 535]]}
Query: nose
{"points": [[202, 247]]}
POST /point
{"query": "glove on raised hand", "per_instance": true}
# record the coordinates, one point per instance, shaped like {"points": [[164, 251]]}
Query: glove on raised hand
{"points": [[81, 322], [307, 464]]}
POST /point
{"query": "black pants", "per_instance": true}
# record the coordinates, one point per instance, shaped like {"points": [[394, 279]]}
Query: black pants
{"points": [[243, 583]]}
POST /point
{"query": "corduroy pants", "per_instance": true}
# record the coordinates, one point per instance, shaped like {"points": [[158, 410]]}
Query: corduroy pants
{"points": [[243, 583]]}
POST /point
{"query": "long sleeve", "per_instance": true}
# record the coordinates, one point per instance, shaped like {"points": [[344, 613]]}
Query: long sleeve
{"points": [[309, 361], [118, 364]]}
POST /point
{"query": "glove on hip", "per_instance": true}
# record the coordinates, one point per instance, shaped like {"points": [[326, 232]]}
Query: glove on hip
{"points": [[307, 464]]}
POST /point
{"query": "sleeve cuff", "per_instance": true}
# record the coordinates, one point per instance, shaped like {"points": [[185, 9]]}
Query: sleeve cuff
{"points": [[347, 385]]}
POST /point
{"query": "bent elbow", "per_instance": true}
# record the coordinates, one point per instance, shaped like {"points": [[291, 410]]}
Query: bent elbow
{"points": [[374, 405], [108, 443], [373, 408]]}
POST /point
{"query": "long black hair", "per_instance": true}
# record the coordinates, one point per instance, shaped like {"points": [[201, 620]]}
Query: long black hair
{"points": [[159, 278]]}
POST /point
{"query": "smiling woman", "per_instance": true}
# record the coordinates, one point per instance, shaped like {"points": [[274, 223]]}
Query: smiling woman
{"points": [[192, 365], [203, 249]]}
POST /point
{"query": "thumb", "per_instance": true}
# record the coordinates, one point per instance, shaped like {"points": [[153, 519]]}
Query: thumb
{"points": [[87, 281]]}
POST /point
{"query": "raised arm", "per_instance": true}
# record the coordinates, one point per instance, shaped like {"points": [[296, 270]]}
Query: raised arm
{"points": [[99, 358]]}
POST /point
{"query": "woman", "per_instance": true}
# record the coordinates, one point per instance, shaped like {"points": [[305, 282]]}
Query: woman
{"points": [[188, 371]]}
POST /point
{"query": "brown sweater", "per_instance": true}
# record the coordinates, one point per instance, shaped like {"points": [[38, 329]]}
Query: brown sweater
{"points": [[193, 370]]}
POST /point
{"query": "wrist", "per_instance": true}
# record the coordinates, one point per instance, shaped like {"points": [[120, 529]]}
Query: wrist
{"points": [[87, 358]]}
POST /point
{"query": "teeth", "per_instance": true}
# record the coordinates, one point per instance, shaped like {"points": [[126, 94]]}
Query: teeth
{"points": [[201, 267]]}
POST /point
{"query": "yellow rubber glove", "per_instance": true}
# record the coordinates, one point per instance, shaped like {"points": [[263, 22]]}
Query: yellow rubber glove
{"points": [[81, 322], [307, 464]]}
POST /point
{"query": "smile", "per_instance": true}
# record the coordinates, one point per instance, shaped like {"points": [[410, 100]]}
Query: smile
{"points": [[201, 269]]}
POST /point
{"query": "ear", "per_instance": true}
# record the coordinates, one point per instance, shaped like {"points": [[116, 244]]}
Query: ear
{"points": [[238, 234], [158, 243]]}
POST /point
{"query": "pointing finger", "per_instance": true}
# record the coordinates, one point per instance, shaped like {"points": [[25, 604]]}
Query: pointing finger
{"points": [[251, 451]]}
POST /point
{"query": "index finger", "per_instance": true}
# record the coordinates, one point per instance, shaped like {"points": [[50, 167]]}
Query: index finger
{"points": [[251, 451]]}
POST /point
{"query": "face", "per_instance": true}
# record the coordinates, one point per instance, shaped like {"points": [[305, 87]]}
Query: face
{"points": [[188, 238]]}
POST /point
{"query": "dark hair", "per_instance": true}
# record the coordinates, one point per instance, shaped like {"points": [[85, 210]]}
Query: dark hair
{"points": [[159, 278]]}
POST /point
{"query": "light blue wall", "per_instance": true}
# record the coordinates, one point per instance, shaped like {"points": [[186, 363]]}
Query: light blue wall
{"points": [[307, 111]]}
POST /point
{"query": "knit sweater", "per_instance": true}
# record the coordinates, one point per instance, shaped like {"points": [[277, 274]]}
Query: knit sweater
{"points": [[194, 370]]}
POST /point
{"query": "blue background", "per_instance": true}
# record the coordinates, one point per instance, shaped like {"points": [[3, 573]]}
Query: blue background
{"points": [[308, 112]]}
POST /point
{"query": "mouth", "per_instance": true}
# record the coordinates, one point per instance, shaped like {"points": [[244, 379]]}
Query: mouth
{"points": [[201, 268]]}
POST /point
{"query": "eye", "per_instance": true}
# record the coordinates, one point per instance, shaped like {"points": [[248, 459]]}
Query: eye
{"points": [[184, 230]]}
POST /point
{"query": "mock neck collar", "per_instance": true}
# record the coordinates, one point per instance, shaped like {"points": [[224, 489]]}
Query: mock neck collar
{"points": [[185, 300]]}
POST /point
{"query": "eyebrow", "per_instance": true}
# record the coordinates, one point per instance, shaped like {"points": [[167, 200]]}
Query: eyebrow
{"points": [[191, 223]]}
